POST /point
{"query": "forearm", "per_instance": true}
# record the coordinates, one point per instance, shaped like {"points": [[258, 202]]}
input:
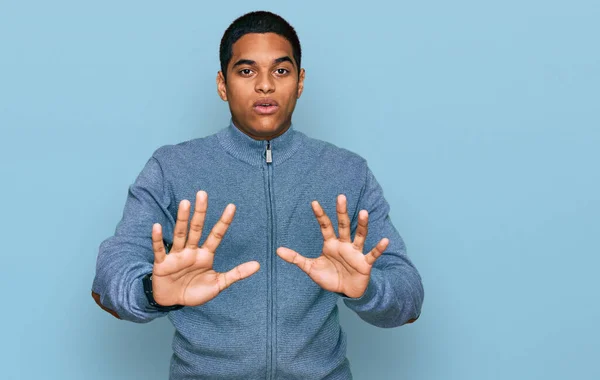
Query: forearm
{"points": [[395, 293], [123, 259]]}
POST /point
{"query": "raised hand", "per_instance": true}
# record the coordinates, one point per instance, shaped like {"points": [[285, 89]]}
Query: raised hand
{"points": [[185, 276], [342, 266]]}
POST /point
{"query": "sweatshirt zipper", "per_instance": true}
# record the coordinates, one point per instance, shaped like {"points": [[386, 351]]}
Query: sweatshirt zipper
{"points": [[268, 153], [271, 333]]}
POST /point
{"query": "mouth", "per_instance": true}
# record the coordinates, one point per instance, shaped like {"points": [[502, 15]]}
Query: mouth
{"points": [[265, 106]]}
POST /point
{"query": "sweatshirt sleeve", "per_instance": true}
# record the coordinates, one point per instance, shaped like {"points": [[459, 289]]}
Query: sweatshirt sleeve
{"points": [[124, 258], [395, 293]]}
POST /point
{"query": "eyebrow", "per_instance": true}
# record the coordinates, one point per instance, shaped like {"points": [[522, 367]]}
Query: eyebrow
{"points": [[252, 63], [284, 59]]}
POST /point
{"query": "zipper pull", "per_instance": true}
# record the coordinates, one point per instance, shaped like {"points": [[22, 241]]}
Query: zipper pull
{"points": [[269, 153]]}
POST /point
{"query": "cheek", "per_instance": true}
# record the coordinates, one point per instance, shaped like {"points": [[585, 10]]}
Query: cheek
{"points": [[238, 94], [291, 93], [292, 100], [238, 103]]}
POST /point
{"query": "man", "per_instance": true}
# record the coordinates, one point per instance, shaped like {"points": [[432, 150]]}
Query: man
{"points": [[256, 298]]}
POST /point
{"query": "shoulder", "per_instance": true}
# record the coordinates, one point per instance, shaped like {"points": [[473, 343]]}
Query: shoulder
{"points": [[335, 155], [187, 150]]}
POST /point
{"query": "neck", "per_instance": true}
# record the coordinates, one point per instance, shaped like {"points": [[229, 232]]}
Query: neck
{"points": [[271, 136]]}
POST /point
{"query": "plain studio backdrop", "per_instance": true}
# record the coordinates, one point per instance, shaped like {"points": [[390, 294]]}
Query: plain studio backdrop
{"points": [[480, 120]]}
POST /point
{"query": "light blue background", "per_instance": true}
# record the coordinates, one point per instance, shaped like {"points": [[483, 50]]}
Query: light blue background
{"points": [[480, 120]]}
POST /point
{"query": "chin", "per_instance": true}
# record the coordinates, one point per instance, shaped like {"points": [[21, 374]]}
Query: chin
{"points": [[265, 129]]}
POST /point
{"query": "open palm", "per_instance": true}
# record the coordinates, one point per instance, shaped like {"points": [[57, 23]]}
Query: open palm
{"points": [[342, 266], [185, 276]]}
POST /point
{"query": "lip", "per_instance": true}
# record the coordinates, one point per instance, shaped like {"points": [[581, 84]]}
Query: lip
{"points": [[272, 107], [270, 101]]}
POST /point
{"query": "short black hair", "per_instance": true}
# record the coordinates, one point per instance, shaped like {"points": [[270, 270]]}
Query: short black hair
{"points": [[257, 22]]}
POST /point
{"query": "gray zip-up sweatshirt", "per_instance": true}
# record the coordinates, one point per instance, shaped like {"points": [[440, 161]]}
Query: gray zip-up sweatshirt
{"points": [[278, 323]]}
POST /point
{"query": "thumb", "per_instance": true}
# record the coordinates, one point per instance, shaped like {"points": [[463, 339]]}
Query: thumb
{"points": [[238, 273], [294, 257]]}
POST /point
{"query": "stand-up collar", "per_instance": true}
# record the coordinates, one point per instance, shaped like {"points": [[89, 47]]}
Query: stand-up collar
{"points": [[247, 149]]}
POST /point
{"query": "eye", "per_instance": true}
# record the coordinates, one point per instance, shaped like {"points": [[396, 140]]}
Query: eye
{"points": [[282, 71], [245, 72]]}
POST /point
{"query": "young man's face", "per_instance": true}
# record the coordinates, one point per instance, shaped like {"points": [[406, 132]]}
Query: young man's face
{"points": [[262, 85]]}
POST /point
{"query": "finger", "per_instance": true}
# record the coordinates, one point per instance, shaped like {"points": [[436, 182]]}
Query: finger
{"points": [[324, 221], [197, 223], [377, 251], [238, 273], [181, 226], [343, 219], [218, 232], [157, 244], [361, 230], [294, 257]]}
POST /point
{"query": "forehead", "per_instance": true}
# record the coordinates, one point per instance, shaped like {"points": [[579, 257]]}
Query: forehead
{"points": [[261, 46]]}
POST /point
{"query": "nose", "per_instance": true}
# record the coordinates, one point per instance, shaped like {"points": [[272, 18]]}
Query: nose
{"points": [[264, 84]]}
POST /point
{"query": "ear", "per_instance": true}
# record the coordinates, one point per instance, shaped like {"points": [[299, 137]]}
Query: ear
{"points": [[221, 87], [300, 83]]}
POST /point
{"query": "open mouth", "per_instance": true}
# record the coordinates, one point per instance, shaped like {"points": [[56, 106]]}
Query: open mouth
{"points": [[266, 106]]}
